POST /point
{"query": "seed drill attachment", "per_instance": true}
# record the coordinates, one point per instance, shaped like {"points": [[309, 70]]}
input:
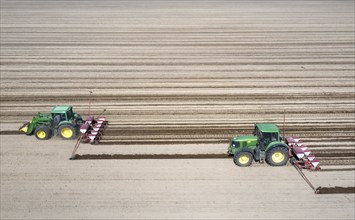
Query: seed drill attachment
{"points": [[91, 131]]}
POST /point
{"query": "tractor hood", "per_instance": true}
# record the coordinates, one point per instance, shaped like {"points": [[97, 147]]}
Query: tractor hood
{"points": [[240, 142], [244, 138]]}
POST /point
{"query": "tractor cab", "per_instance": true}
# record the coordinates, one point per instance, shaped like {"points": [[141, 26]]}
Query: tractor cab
{"points": [[266, 134], [62, 113], [65, 113]]}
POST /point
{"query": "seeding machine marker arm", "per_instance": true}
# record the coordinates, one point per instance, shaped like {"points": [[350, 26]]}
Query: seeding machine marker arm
{"points": [[76, 147], [305, 178], [103, 111]]}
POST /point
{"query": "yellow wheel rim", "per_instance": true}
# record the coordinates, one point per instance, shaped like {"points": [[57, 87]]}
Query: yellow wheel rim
{"points": [[66, 132], [41, 134], [278, 157], [243, 159]]}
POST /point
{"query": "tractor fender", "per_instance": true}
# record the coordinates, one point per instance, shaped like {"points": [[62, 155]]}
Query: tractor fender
{"points": [[245, 149], [276, 144], [64, 122]]}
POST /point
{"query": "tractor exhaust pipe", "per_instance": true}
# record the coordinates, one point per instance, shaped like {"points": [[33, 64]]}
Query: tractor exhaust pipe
{"points": [[283, 127]]}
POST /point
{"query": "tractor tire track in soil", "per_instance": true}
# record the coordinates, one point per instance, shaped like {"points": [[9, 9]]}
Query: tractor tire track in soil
{"points": [[148, 156], [334, 190], [331, 160]]}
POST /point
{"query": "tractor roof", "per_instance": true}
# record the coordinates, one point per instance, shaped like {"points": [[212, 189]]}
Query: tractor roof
{"points": [[60, 109], [269, 128]]}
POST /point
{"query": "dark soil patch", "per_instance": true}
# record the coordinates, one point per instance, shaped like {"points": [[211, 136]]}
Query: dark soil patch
{"points": [[334, 190], [148, 156], [337, 169], [10, 132]]}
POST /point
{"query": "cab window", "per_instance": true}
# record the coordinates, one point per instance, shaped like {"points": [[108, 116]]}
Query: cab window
{"points": [[69, 113], [270, 136]]}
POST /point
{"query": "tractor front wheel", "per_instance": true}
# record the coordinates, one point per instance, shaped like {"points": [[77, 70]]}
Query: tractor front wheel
{"points": [[277, 156], [67, 131], [42, 132], [243, 159]]}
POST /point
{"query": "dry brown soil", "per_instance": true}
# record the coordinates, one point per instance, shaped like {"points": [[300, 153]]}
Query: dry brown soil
{"points": [[176, 77], [38, 181]]}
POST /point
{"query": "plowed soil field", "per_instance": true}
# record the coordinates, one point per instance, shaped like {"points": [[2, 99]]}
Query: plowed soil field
{"points": [[178, 79]]}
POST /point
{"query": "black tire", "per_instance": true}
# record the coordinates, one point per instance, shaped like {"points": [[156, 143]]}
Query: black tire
{"points": [[243, 159], [277, 156], [43, 132], [67, 131]]}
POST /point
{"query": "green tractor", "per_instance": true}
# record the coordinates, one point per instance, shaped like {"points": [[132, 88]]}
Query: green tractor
{"points": [[265, 145], [61, 120]]}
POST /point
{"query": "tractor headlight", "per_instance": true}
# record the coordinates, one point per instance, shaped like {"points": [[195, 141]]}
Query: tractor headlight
{"points": [[235, 144]]}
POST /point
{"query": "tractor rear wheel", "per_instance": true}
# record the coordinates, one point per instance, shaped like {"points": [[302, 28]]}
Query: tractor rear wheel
{"points": [[277, 156], [67, 131], [243, 159], [42, 132]]}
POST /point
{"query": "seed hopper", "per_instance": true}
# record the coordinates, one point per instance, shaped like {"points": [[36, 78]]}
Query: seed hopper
{"points": [[300, 154]]}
